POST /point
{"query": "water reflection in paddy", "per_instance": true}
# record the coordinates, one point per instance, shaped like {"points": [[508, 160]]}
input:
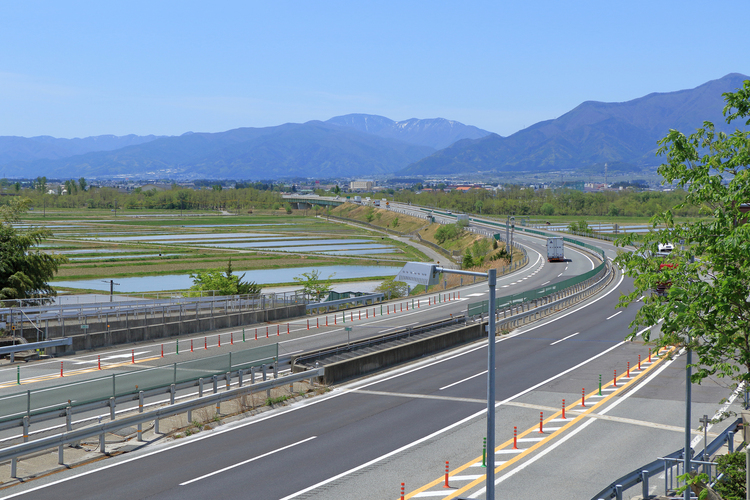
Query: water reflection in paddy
{"points": [[260, 276]]}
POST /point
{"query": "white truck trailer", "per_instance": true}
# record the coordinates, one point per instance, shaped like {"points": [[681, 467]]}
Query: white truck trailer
{"points": [[555, 249]]}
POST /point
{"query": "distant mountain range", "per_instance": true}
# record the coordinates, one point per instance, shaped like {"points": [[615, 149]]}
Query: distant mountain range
{"points": [[352, 145], [19, 149], [357, 145], [623, 134]]}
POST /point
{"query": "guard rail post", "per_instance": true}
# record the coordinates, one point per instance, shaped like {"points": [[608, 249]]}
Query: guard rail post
{"points": [[140, 410], [112, 408], [200, 387], [171, 393], [644, 480], [268, 391]]}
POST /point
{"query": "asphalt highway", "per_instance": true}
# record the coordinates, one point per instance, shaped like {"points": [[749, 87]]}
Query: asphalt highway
{"points": [[363, 439]]}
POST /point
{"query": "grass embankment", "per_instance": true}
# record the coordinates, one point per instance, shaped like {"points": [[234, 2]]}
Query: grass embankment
{"points": [[379, 217]]}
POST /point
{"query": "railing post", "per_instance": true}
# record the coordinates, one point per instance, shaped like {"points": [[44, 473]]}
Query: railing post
{"points": [[140, 410], [68, 419], [216, 383], [644, 481], [112, 408], [200, 387], [618, 491], [171, 394]]}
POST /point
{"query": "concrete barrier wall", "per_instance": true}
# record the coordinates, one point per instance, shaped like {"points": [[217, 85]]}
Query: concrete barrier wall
{"points": [[368, 363], [140, 330]]}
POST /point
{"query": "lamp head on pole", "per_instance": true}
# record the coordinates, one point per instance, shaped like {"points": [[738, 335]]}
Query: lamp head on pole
{"points": [[421, 273]]}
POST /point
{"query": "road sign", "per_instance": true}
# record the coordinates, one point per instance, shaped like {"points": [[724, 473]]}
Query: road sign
{"points": [[84, 327]]}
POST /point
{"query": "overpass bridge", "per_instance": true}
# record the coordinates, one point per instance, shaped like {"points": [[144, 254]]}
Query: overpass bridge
{"points": [[307, 201]]}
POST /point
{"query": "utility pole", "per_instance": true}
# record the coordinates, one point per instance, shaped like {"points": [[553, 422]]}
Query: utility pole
{"points": [[111, 288]]}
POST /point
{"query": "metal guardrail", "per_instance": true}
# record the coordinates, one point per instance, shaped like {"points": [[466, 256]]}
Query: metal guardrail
{"points": [[74, 436], [642, 474], [482, 307], [359, 344], [50, 400], [362, 299], [30, 346]]}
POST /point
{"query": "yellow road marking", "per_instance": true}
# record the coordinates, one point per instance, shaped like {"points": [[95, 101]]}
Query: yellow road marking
{"points": [[580, 415], [73, 373]]}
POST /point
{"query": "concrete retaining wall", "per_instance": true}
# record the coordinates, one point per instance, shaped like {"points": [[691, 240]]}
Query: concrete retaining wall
{"points": [[368, 363]]}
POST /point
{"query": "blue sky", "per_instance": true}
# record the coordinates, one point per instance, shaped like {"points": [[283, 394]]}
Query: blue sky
{"points": [[74, 69]]}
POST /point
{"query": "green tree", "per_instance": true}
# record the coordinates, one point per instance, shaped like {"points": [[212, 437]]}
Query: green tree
{"points": [[313, 284], [392, 288], [82, 183], [548, 209], [25, 272], [370, 215], [468, 261], [707, 307], [336, 190], [395, 222], [447, 232], [214, 280]]}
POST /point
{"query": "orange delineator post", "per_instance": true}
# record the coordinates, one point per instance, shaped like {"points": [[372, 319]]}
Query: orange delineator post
{"points": [[563, 408], [287, 329], [219, 340], [231, 338], [402, 491], [278, 330], [351, 316], [256, 334], [583, 397], [61, 369], [639, 361], [162, 350], [615, 379], [360, 314], [628, 376], [99, 361], [266, 331], [191, 345], [132, 353], [308, 324], [317, 322], [446, 475], [649, 355], [515, 444], [402, 307], [326, 320]]}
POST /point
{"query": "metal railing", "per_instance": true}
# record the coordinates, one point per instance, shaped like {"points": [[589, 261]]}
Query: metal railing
{"points": [[671, 465], [14, 452], [49, 401], [53, 321], [360, 344]]}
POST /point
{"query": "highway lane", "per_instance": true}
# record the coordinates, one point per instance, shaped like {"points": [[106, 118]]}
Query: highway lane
{"points": [[366, 427], [117, 360]]}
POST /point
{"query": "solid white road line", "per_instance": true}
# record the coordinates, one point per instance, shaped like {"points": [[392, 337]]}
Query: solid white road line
{"points": [[615, 314], [565, 338], [376, 380], [463, 380], [247, 461]]}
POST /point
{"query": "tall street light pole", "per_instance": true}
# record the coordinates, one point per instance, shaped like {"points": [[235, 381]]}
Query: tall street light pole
{"points": [[429, 274]]}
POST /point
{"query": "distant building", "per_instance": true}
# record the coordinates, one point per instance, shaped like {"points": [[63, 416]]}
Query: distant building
{"points": [[361, 185]]}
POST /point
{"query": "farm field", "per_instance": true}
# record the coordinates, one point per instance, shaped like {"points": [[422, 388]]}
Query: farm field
{"points": [[101, 246]]}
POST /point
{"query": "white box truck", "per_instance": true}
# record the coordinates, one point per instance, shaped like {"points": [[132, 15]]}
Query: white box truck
{"points": [[357, 199], [555, 249]]}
